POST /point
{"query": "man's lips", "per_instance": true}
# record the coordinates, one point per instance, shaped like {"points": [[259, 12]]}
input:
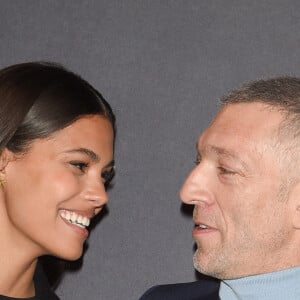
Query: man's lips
{"points": [[200, 227]]}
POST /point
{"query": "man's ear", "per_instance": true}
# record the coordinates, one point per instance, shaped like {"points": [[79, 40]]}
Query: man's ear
{"points": [[294, 201]]}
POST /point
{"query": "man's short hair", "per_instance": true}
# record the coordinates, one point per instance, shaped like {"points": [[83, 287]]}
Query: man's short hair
{"points": [[282, 93]]}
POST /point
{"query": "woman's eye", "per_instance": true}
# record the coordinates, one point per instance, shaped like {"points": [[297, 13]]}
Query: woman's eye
{"points": [[79, 165], [107, 176], [198, 160]]}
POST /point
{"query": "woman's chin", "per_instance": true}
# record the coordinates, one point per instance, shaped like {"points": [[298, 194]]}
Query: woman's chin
{"points": [[68, 254]]}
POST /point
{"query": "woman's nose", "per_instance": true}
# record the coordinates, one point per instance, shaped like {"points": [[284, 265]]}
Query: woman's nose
{"points": [[96, 194]]}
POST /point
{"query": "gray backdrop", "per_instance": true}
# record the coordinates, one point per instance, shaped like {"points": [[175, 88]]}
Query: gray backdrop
{"points": [[162, 65]]}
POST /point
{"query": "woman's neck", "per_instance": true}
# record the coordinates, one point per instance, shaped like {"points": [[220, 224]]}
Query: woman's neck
{"points": [[18, 261], [16, 276]]}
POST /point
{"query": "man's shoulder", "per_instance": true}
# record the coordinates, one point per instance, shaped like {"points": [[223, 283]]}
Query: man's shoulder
{"points": [[207, 288]]}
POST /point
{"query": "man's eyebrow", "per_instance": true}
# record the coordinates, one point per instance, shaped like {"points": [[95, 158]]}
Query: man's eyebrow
{"points": [[222, 152], [91, 154], [217, 150]]}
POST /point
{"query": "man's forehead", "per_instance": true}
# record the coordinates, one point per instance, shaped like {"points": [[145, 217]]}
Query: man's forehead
{"points": [[241, 132], [244, 121]]}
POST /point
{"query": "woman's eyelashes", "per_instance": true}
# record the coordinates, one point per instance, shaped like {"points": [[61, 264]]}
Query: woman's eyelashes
{"points": [[81, 166], [107, 176], [198, 160]]}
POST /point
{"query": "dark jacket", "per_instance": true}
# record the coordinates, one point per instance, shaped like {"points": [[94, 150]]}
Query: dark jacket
{"points": [[203, 289], [42, 287]]}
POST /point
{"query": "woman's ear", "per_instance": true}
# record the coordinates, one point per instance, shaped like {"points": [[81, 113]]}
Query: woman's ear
{"points": [[5, 157]]}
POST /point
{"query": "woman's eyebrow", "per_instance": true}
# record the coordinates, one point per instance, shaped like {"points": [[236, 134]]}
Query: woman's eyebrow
{"points": [[93, 156]]}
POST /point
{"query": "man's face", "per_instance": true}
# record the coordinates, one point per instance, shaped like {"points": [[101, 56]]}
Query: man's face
{"points": [[242, 215]]}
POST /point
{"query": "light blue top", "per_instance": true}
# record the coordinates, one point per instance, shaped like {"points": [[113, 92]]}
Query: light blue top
{"points": [[284, 284]]}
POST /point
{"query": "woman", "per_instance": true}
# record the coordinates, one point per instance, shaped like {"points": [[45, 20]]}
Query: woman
{"points": [[56, 159]]}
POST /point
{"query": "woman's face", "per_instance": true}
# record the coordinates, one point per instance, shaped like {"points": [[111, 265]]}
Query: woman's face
{"points": [[53, 190]]}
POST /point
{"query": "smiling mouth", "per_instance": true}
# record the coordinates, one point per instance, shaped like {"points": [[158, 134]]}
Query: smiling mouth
{"points": [[201, 226], [75, 218]]}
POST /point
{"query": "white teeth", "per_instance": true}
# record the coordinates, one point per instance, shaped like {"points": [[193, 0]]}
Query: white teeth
{"points": [[68, 215], [202, 226], [86, 221], [79, 219], [75, 218]]}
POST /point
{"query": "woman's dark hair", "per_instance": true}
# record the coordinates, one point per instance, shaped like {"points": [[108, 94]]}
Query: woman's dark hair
{"points": [[39, 98]]}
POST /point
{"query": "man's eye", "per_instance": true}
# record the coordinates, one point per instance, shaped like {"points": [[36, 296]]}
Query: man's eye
{"points": [[226, 171], [79, 165]]}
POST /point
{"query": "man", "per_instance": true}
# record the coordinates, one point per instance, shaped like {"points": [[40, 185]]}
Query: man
{"points": [[245, 190]]}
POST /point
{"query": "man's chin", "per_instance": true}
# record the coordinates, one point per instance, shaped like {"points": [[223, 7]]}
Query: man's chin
{"points": [[205, 268], [198, 265]]}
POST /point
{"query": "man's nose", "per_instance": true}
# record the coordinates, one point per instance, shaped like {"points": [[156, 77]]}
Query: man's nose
{"points": [[196, 189]]}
